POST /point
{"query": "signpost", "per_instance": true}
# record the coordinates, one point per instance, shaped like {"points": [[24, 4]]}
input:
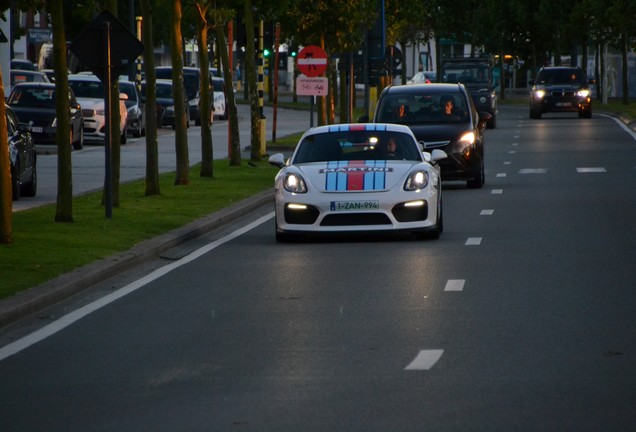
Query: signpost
{"points": [[107, 48], [312, 62]]}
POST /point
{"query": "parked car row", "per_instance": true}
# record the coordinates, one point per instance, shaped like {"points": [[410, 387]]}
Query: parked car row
{"points": [[22, 157]]}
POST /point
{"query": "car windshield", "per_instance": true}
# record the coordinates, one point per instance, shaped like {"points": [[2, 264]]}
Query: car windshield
{"points": [[32, 97], [561, 76], [356, 146], [466, 74], [87, 89], [129, 90], [418, 108]]}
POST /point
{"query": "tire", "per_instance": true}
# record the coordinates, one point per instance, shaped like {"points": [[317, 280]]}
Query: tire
{"points": [[492, 124], [124, 137], [480, 178], [30, 189], [534, 114], [79, 144], [15, 186], [435, 232]]}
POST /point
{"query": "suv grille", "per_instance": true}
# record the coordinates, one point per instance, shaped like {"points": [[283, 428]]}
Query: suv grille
{"points": [[563, 93]]}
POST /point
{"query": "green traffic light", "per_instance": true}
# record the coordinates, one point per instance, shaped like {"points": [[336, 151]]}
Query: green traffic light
{"points": [[266, 52]]}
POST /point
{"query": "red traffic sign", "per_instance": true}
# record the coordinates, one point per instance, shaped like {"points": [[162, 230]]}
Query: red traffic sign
{"points": [[312, 61]]}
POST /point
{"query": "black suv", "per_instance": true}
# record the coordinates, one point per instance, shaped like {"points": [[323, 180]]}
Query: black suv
{"points": [[561, 89], [442, 116]]}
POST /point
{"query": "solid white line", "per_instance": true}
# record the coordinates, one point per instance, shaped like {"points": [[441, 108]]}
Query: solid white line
{"points": [[67, 320], [473, 241], [455, 285], [425, 360]]}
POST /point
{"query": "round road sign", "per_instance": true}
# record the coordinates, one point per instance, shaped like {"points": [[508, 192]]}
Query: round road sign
{"points": [[312, 61]]}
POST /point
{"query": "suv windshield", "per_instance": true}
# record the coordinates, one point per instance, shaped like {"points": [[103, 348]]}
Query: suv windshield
{"points": [[466, 74], [412, 109], [561, 76]]}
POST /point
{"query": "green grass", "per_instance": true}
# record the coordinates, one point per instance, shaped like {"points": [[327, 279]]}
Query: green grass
{"points": [[43, 249]]}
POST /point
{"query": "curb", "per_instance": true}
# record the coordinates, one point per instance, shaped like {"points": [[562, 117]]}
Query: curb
{"points": [[64, 286]]}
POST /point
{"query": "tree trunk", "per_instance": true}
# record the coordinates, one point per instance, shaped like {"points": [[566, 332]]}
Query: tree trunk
{"points": [[235, 139], [6, 211], [115, 118], [250, 72], [207, 152], [625, 70], [178, 93], [152, 146], [64, 207]]}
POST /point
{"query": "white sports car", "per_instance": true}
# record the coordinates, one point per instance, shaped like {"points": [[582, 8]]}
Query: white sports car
{"points": [[358, 177]]}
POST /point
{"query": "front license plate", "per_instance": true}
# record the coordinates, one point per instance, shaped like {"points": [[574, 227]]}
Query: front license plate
{"points": [[354, 205], [36, 129], [563, 104]]}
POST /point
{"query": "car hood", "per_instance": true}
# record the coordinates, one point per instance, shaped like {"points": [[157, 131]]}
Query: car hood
{"points": [[89, 103], [27, 114], [435, 133], [356, 176]]}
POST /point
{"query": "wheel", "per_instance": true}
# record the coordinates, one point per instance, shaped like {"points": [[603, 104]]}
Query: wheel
{"points": [[585, 113], [480, 178], [30, 189], [438, 229], [15, 185], [79, 144], [124, 137], [534, 114], [492, 123]]}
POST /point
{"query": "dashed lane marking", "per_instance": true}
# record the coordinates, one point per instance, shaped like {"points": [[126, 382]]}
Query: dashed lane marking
{"points": [[473, 241], [455, 285], [496, 191], [533, 171], [591, 170], [486, 212], [425, 359]]}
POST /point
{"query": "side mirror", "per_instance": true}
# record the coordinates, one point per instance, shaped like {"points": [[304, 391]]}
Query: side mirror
{"points": [[438, 154], [484, 117], [532, 82], [278, 160]]}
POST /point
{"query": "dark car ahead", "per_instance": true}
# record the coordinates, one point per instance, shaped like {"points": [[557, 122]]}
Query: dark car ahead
{"points": [[191, 84], [561, 89], [22, 156], [165, 103], [136, 122], [458, 131], [23, 75], [34, 103]]}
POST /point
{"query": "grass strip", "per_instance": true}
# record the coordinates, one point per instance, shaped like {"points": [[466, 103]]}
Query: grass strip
{"points": [[43, 249]]}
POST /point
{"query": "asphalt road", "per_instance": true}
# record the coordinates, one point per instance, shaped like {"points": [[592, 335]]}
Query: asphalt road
{"points": [[520, 317], [89, 163]]}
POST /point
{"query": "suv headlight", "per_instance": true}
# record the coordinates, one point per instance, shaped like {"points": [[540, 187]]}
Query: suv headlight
{"points": [[294, 183], [416, 180], [194, 102], [583, 93], [539, 94]]}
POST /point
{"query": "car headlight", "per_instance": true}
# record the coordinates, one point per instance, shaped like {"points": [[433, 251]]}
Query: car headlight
{"points": [[194, 102], [294, 183], [539, 94], [100, 112], [133, 110], [54, 124], [583, 93], [416, 180]]}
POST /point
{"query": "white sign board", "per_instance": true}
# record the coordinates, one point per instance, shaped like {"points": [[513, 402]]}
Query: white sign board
{"points": [[315, 86]]}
